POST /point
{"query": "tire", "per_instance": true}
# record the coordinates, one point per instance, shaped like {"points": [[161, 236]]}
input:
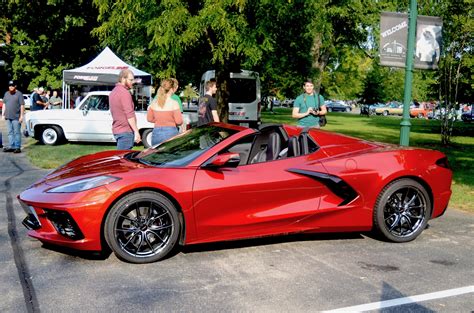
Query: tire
{"points": [[51, 135], [146, 137], [142, 227], [420, 115], [348, 109], [329, 109], [385, 113], [402, 210]]}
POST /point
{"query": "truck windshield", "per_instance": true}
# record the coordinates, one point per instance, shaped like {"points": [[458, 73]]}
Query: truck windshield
{"points": [[242, 90], [184, 148]]}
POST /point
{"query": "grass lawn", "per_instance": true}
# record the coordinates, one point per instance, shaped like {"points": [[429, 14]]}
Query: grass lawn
{"points": [[423, 133]]}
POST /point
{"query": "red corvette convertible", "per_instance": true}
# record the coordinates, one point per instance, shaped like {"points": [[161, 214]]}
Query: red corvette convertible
{"points": [[223, 182]]}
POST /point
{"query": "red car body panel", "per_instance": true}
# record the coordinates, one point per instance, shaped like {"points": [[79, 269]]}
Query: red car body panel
{"points": [[252, 200]]}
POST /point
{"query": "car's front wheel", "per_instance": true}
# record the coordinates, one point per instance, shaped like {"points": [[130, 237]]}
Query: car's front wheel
{"points": [[146, 137], [51, 135], [385, 113], [142, 227], [402, 210]]}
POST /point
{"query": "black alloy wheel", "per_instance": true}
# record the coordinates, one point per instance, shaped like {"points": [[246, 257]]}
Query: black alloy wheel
{"points": [[142, 227], [402, 210]]}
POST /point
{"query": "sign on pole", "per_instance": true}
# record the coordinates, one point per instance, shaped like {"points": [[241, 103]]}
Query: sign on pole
{"points": [[393, 40], [428, 42]]}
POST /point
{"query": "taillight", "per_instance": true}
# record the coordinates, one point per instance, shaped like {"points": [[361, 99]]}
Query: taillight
{"points": [[443, 162]]}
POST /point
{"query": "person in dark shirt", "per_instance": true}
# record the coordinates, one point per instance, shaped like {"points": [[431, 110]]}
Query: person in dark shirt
{"points": [[38, 103], [13, 111], [207, 111]]}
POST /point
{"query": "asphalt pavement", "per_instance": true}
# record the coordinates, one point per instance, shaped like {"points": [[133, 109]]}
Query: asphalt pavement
{"points": [[300, 273]]}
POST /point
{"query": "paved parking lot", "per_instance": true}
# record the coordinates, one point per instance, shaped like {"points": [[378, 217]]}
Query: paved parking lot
{"points": [[303, 273]]}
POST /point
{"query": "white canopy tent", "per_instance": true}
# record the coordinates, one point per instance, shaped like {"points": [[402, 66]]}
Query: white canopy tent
{"points": [[103, 71]]}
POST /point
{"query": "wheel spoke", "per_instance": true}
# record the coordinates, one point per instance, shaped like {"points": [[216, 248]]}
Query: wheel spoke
{"points": [[156, 234], [128, 218], [395, 223], [126, 230], [130, 239], [140, 243], [158, 228], [148, 242]]}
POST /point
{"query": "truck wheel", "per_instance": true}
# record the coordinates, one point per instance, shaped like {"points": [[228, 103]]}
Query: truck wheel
{"points": [[146, 137], [51, 135]]}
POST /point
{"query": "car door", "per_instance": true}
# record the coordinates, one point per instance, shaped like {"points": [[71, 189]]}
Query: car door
{"points": [[95, 120], [255, 199]]}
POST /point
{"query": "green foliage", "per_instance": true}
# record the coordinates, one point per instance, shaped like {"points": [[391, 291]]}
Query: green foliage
{"points": [[47, 36]]}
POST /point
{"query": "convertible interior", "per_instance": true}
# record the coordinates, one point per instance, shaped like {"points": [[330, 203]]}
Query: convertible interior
{"points": [[270, 143]]}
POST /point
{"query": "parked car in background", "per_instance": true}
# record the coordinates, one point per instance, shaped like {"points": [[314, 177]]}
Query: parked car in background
{"points": [[369, 109], [419, 112], [288, 103], [27, 99], [468, 116], [393, 108], [90, 121], [337, 106]]}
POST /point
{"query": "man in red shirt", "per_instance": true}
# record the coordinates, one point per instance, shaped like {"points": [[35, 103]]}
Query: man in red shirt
{"points": [[124, 126]]}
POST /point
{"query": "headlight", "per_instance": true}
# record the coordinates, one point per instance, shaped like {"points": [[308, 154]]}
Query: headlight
{"points": [[84, 184]]}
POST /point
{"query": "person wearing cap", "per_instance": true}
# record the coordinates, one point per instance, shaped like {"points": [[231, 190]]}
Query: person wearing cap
{"points": [[309, 106], [12, 112], [38, 102]]}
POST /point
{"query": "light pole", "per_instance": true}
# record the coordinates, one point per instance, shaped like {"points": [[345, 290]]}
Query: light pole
{"points": [[405, 124]]}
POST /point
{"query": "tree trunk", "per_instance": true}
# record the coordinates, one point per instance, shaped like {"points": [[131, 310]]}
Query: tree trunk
{"points": [[222, 77]]}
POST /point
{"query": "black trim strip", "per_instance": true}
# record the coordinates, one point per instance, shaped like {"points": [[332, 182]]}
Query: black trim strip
{"points": [[338, 186]]}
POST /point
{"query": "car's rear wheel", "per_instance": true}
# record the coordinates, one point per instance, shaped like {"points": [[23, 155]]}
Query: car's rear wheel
{"points": [[142, 227], [329, 109], [420, 115], [146, 137], [348, 109], [51, 135], [385, 113], [402, 210]]}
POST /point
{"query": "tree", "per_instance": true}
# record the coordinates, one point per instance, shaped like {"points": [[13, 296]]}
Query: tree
{"points": [[47, 36]]}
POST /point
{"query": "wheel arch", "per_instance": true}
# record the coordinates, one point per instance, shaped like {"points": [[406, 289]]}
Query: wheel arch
{"points": [[418, 180], [38, 129], [182, 234]]}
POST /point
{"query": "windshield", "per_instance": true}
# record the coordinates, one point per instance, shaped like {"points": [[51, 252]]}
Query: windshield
{"points": [[184, 148]]}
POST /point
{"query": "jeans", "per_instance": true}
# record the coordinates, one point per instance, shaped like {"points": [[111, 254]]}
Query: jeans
{"points": [[161, 134], [14, 133], [125, 140]]}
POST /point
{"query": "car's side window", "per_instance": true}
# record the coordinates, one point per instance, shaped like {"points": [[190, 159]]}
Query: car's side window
{"points": [[242, 147], [97, 103]]}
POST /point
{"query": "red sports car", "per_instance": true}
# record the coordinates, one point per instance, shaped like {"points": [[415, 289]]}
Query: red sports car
{"points": [[223, 182]]}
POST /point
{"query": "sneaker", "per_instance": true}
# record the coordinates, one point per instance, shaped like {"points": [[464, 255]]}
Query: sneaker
{"points": [[17, 151], [8, 149]]}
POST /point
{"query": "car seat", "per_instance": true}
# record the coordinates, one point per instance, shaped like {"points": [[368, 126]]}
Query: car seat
{"points": [[270, 151], [293, 147]]}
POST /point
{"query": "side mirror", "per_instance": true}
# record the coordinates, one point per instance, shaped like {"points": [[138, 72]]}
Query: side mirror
{"points": [[85, 110], [228, 159]]}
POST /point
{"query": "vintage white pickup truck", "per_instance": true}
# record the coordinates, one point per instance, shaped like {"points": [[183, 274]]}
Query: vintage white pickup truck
{"points": [[90, 121]]}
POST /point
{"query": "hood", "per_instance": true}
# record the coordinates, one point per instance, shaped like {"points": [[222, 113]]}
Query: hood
{"points": [[102, 163]]}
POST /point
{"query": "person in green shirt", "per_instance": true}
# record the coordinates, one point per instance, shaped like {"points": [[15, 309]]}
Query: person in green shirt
{"points": [[174, 96], [309, 106]]}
